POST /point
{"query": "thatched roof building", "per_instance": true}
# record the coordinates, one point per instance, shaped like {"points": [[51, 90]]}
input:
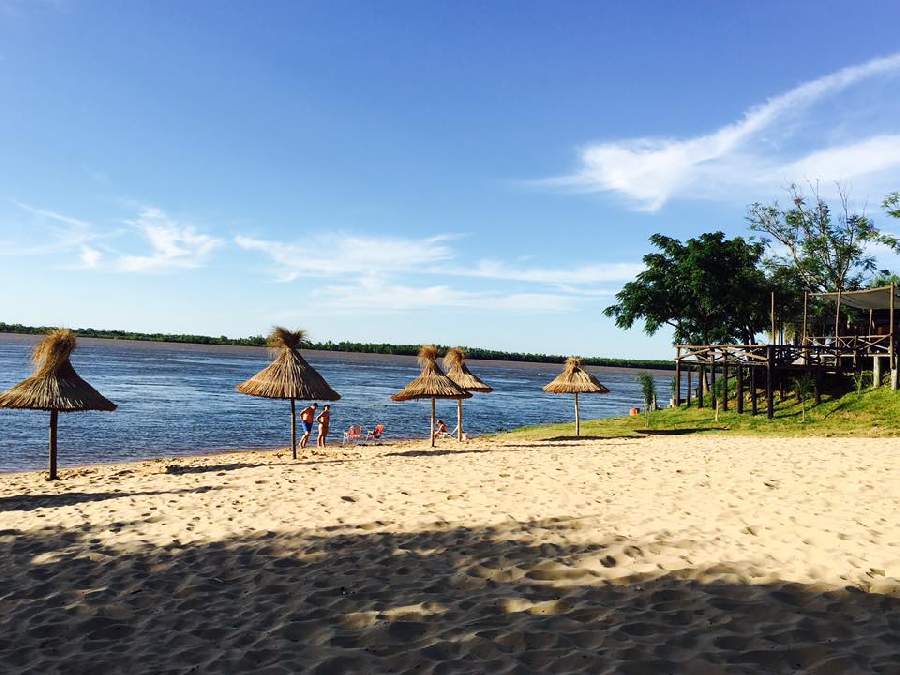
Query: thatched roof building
{"points": [[55, 385], [575, 380], [455, 363], [289, 376], [431, 382]]}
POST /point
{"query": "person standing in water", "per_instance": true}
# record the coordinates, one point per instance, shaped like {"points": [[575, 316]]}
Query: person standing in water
{"points": [[324, 420], [307, 415]]}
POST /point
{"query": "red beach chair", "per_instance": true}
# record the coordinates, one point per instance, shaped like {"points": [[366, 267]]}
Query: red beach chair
{"points": [[353, 435], [376, 433]]}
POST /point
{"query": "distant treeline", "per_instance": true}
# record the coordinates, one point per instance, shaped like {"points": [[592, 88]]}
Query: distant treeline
{"points": [[360, 347]]}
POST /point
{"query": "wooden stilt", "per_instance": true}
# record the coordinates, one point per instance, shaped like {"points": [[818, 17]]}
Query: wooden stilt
{"points": [[714, 399], [725, 387], [805, 302], [689, 388], [754, 407], [293, 430], [893, 344], [677, 401], [577, 417], [770, 384], [459, 420], [700, 386], [739, 400], [433, 411], [54, 416]]}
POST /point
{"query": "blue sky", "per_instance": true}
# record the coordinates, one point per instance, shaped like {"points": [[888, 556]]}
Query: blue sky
{"points": [[474, 173]]}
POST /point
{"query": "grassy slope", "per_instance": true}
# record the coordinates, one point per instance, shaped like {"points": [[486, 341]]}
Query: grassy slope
{"points": [[874, 413]]}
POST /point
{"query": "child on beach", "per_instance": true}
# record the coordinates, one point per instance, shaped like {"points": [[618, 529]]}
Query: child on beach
{"points": [[324, 419], [307, 415]]}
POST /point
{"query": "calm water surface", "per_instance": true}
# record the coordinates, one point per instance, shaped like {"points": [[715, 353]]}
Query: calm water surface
{"points": [[180, 399]]}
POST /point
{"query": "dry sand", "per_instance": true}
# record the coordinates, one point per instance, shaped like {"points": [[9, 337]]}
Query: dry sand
{"points": [[690, 554]]}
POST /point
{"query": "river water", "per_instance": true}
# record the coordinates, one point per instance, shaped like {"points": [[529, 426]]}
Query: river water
{"points": [[180, 399]]}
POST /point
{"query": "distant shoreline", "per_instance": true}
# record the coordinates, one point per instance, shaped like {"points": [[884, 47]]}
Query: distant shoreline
{"points": [[346, 347], [315, 354]]}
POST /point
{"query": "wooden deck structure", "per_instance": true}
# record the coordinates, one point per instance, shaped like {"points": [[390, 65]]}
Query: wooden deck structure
{"points": [[771, 367]]}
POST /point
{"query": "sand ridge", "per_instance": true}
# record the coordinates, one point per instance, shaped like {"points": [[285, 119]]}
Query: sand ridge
{"points": [[689, 554]]}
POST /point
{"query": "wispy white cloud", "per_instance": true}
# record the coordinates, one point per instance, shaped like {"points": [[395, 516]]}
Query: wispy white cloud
{"points": [[167, 242], [569, 276], [90, 257], [382, 270], [371, 294], [173, 244], [336, 254], [45, 232], [650, 171]]}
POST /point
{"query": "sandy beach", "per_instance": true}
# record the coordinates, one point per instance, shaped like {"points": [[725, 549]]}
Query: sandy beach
{"points": [[670, 554]]}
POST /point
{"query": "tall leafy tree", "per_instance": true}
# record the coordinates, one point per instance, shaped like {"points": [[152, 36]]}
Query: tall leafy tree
{"points": [[826, 250], [891, 204], [707, 289]]}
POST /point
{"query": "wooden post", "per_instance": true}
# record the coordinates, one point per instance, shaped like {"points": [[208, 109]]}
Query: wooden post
{"points": [[876, 371], [754, 407], [818, 385], [740, 390], [689, 387], [54, 415], [433, 410], [577, 417], [293, 430], [893, 354], [770, 384], [805, 300], [459, 420], [837, 318], [677, 376], [725, 386], [714, 402], [700, 386]]}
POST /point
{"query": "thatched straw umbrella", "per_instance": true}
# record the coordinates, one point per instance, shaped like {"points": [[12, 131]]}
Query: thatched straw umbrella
{"points": [[575, 380], [289, 376], [431, 383], [455, 364], [55, 386]]}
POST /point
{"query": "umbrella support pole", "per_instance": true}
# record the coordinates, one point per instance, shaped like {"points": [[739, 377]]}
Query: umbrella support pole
{"points": [[577, 417], [459, 420], [54, 416], [433, 406], [293, 429]]}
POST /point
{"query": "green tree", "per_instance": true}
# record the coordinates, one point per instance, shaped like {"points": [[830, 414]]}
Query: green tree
{"points": [[891, 204], [826, 251], [708, 289], [648, 389]]}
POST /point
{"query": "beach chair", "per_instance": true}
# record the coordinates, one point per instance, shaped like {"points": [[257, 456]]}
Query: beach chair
{"points": [[375, 434], [353, 435]]}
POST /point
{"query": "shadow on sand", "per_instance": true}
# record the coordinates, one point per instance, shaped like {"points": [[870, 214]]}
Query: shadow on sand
{"points": [[498, 599], [679, 432], [38, 501], [436, 452]]}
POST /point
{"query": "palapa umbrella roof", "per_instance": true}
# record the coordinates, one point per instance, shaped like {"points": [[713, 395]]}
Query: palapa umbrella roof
{"points": [[575, 380], [289, 375], [431, 383], [455, 363], [55, 385]]}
